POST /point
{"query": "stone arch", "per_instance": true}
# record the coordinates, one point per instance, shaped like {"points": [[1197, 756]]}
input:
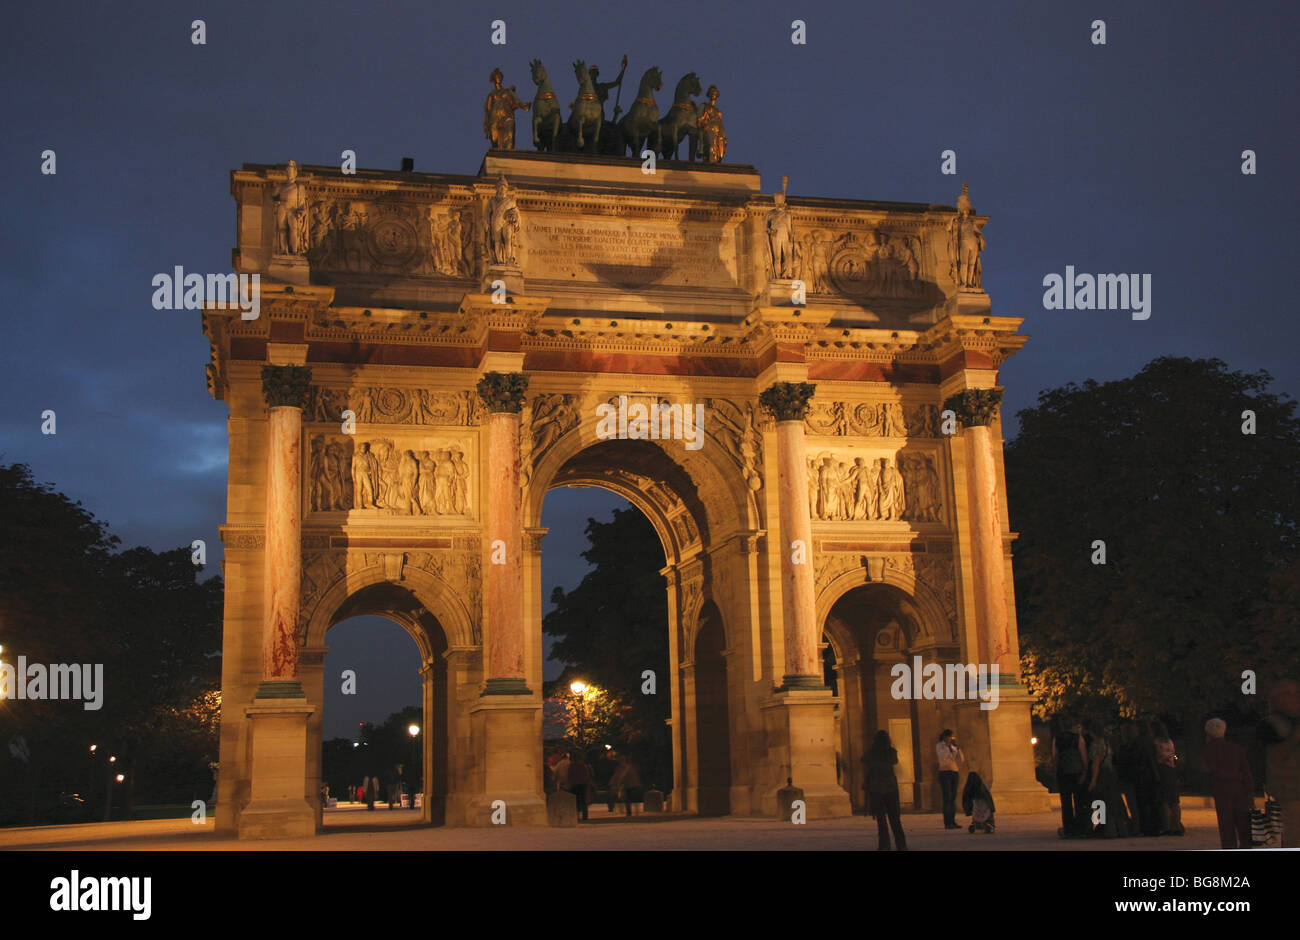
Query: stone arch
{"points": [[882, 600], [935, 626], [725, 501], [434, 595]]}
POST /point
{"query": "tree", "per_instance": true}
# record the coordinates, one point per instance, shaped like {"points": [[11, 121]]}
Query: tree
{"points": [[67, 596], [611, 629], [1199, 525]]}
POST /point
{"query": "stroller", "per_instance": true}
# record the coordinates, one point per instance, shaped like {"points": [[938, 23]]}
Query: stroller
{"points": [[977, 803]]}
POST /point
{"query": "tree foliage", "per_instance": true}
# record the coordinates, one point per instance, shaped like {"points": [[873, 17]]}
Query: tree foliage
{"points": [[68, 596], [611, 629], [1199, 524]]}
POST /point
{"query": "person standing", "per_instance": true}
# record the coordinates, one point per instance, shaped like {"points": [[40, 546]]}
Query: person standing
{"points": [[1071, 760], [1128, 762], [950, 760], [626, 783], [1103, 785], [1167, 767], [882, 791], [1231, 783], [1280, 733], [579, 779]]}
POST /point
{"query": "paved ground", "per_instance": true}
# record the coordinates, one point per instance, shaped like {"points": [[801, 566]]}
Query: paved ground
{"points": [[352, 829]]}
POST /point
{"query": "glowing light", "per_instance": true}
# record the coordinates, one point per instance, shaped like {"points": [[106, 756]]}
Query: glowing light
{"points": [[578, 687], [413, 730], [1033, 740], [121, 777]]}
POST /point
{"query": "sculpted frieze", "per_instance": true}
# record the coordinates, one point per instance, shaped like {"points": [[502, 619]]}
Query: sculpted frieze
{"points": [[405, 478], [874, 488], [871, 419], [358, 235], [375, 405]]}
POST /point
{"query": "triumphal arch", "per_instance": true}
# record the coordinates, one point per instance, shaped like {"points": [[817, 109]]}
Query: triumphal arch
{"points": [[799, 393]]}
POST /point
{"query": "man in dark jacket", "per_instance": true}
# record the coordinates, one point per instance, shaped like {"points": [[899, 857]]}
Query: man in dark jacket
{"points": [[1231, 783]]}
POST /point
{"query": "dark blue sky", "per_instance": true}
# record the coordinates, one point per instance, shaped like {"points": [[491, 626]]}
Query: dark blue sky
{"points": [[1115, 158]]}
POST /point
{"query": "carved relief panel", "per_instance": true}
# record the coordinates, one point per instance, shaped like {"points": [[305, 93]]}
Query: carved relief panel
{"points": [[873, 484], [399, 473]]}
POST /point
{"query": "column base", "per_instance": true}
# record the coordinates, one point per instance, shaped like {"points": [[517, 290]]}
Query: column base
{"points": [[799, 727], [506, 731], [278, 807], [291, 269], [1010, 754], [512, 275]]}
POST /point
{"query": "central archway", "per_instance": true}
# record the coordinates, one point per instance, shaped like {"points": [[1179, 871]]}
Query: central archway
{"points": [[687, 499]]}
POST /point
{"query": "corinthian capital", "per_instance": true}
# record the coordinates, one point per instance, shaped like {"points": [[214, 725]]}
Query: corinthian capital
{"points": [[787, 401], [503, 391], [286, 385], [975, 407]]}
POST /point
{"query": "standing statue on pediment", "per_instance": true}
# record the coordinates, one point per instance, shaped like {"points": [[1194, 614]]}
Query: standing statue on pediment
{"points": [[713, 135], [290, 214], [780, 236], [499, 113], [503, 225], [965, 242]]}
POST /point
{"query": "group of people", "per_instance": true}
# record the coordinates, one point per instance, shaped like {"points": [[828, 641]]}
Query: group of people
{"points": [[569, 771], [371, 791], [1135, 782], [883, 797]]}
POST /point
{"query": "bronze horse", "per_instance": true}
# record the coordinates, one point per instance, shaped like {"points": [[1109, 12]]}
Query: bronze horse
{"points": [[682, 119], [546, 110], [641, 123], [587, 115]]}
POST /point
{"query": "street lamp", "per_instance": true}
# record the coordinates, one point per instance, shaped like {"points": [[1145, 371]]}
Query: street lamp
{"points": [[413, 730], [577, 687]]}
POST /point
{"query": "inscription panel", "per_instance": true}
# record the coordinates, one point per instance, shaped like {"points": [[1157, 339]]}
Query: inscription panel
{"points": [[632, 255]]}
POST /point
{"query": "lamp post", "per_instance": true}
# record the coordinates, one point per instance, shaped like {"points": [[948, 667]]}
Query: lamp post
{"points": [[579, 690], [414, 731]]}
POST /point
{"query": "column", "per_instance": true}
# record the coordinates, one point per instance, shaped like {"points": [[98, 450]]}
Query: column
{"points": [[279, 717], [503, 595], [1010, 755], [788, 403], [285, 388], [506, 720], [975, 408]]}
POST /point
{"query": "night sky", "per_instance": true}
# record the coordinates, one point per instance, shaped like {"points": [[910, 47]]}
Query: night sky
{"points": [[1123, 157]]}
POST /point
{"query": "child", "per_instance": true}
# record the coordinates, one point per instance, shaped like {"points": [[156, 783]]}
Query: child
{"points": [[977, 801]]}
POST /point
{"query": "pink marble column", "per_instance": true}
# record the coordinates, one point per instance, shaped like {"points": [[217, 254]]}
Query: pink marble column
{"points": [[285, 388], [976, 408], [503, 575], [788, 403]]}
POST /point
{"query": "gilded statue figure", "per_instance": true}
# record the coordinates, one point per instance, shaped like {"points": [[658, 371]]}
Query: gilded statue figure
{"points": [[499, 113], [713, 134]]}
